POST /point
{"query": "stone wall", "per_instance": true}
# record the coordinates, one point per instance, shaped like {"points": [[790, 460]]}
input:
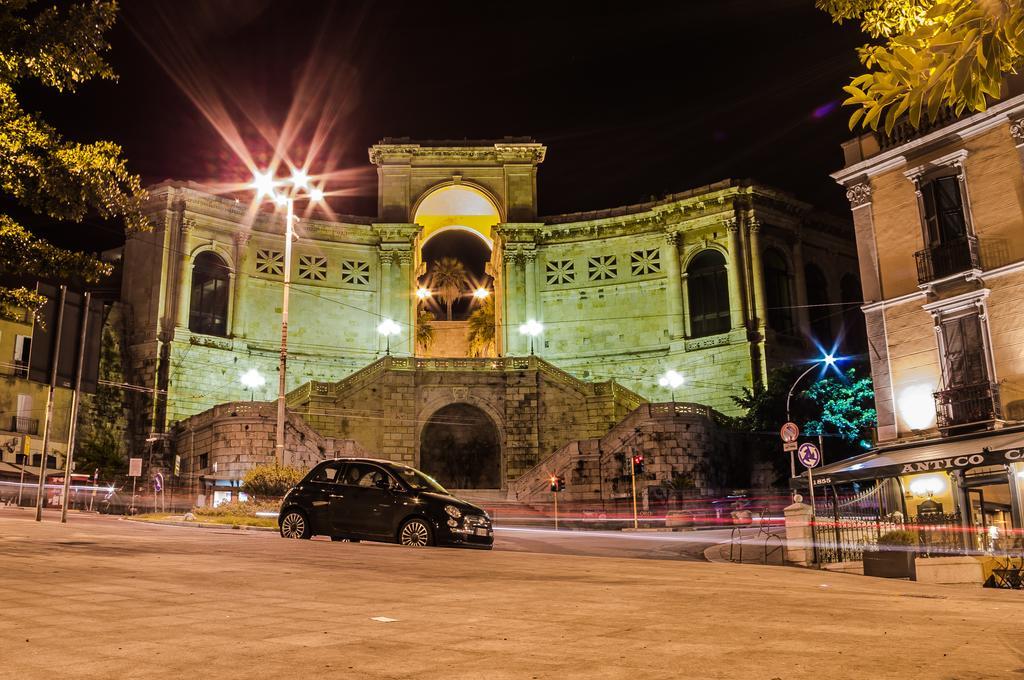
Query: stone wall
{"points": [[535, 407], [682, 447]]}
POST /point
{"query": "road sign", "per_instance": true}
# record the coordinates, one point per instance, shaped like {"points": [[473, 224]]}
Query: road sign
{"points": [[158, 482], [134, 467], [789, 432], [808, 454], [789, 446]]}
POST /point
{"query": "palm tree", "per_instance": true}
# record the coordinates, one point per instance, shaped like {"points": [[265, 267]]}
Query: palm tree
{"points": [[425, 329], [480, 330], [448, 279]]}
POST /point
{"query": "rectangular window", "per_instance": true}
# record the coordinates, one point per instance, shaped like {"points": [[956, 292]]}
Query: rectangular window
{"points": [[964, 345], [602, 268], [313, 267], [645, 262], [560, 272], [943, 210], [22, 348], [270, 262], [355, 272], [202, 461]]}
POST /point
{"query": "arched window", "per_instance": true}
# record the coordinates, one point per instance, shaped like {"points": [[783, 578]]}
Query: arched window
{"points": [[708, 292], [208, 305], [819, 312], [778, 292], [855, 334]]}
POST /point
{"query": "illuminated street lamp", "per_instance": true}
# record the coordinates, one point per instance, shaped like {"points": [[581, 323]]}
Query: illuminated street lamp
{"points": [[423, 293], [829, 360], [532, 328], [671, 380], [284, 193], [481, 293], [252, 380], [387, 328]]}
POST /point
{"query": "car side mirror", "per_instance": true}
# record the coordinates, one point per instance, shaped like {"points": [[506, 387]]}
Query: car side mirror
{"points": [[382, 484]]}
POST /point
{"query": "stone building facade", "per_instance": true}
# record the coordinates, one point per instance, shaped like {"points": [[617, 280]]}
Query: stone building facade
{"points": [[718, 283], [939, 218]]}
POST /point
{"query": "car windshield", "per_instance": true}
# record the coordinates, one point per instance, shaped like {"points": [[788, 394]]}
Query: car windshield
{"points": [[417, 481]]}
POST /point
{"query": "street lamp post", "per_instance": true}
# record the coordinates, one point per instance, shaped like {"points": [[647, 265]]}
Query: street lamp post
{"points": [[265, 185], [532, 328], [828, 360], [387, 328], [672, 380]]}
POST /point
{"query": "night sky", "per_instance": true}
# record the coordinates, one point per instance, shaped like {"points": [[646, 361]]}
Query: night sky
{"points": [[633, 99]]}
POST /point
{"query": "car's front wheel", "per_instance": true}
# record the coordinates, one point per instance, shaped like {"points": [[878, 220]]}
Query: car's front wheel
{"points": [[295, 525], [415, 532]]}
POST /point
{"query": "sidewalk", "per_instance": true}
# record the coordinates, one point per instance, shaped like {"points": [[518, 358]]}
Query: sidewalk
{"points": [[752, 546]]}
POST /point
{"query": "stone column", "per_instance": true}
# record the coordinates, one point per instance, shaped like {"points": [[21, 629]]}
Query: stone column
{"points": [[402, 306], [799, 539], [803, 318], [859, 196], [385, 257], [513, 305], [757, 268], [532, 306], [240, 283], [674, 288], [734, 269], [184, 274]]}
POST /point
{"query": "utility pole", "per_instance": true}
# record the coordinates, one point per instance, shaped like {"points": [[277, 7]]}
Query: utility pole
{"points": [[632, 481], [76, 398], [41, 491]]}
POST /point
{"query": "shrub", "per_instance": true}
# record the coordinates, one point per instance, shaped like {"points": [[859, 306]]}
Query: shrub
{"points": [[271, 481], [900, 537], [238, 509]]}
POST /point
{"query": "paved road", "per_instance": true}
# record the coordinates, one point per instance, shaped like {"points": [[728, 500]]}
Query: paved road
{"points": [[103, 598], [689, 545]]}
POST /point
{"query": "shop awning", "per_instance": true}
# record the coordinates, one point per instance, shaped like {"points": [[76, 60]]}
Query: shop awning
{"points": [[932, 455]]}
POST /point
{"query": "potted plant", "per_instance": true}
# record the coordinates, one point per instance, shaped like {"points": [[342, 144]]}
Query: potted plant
{"points": [[894, 556]]}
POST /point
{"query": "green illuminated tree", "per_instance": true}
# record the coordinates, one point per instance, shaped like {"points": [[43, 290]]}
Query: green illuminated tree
{"points": [[928, 54], [847, 407], [58, 179]]}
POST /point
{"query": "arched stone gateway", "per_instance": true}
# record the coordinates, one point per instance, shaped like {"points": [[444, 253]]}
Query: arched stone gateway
{"points": [[460, 448]]}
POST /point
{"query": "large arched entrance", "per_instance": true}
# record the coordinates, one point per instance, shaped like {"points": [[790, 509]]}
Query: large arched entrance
{"points": [[455, 287], [459, 448]]}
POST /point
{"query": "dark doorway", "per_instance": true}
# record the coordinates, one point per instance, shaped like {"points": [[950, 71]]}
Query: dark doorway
{"points": [[459, 448]]}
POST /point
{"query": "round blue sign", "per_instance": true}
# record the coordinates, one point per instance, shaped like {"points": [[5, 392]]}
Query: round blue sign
{"points": [[808, 454]]}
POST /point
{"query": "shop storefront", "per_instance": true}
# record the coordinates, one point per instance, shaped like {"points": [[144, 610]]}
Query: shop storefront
{"points": [[960, 493]]}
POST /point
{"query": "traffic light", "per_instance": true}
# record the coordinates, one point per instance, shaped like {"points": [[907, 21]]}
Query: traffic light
{"points": [[561, 484], [638, 463], [557, 484]]}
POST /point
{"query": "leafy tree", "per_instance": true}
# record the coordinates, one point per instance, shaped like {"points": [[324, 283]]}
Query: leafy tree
{"points": [[61, 48], [840, 408], [480, 329], [930, 53], [448, 279], [425, 329], [846, 405], [271, 481]]}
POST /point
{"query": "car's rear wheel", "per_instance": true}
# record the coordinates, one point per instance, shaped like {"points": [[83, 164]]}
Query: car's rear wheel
{"points": [[295, 525], [415, 532]]}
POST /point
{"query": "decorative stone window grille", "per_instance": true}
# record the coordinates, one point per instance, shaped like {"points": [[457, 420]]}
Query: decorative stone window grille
{"points": [[644, 262], [602, 268], [313, 267], [270, 262], [560, 272], [355, 272]]}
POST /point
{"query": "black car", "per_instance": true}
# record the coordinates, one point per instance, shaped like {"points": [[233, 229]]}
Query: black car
{"points": [[363, 498]]}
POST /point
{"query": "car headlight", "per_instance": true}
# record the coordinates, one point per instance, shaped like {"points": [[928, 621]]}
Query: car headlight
{"points": [[453, 511]]}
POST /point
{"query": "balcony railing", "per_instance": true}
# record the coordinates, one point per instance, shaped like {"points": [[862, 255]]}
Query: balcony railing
{"points": [[967, 406], [24, 425], [946, 259]]}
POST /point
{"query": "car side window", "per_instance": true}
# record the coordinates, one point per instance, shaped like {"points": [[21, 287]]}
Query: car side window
{"points": [[365, 475], [328, 474]]}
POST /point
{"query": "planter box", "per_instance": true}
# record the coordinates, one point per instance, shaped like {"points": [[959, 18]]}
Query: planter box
{"points": [[889, 563], [960, 569]]}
